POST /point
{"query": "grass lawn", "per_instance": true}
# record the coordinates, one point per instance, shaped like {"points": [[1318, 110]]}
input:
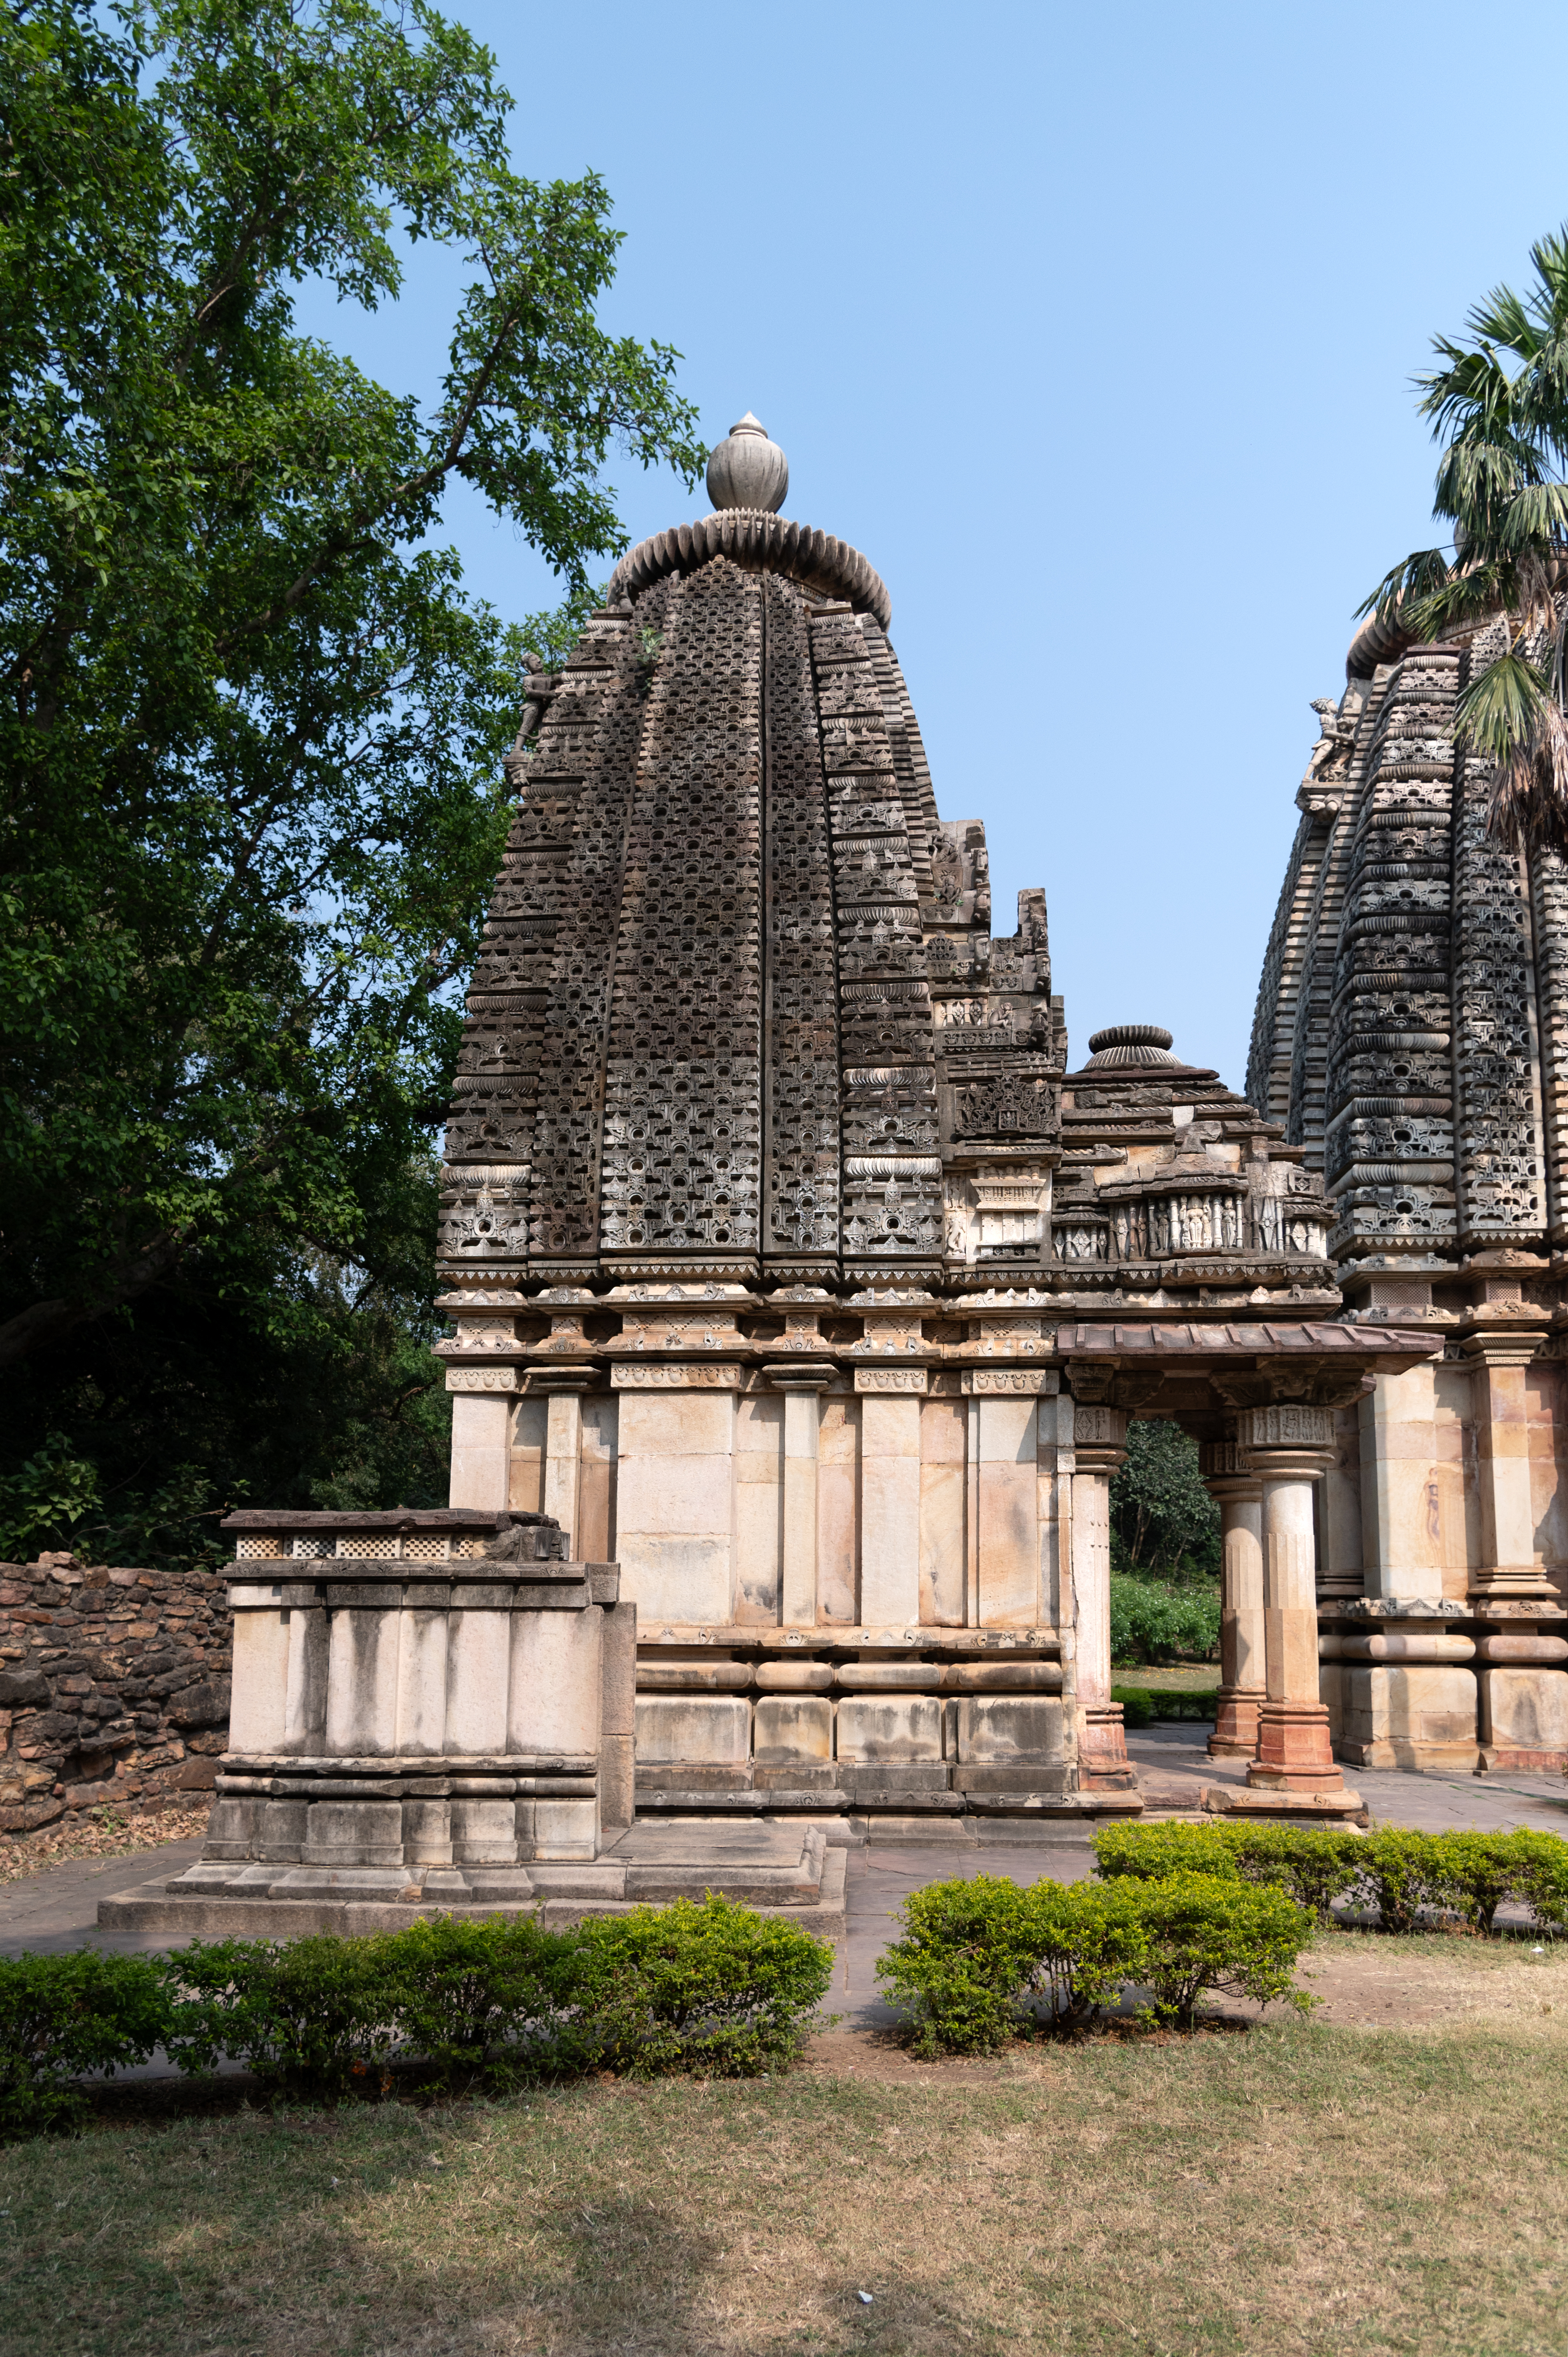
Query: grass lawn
{"points": [[1187, 1676], [1323, 2187]]}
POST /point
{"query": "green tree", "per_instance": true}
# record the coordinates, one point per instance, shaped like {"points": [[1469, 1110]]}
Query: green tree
{"points": [[1499, 404], [1161, 1518], [252, 725]]}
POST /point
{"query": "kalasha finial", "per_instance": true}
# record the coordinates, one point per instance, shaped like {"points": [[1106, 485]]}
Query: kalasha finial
{"points": [[748, 470]]}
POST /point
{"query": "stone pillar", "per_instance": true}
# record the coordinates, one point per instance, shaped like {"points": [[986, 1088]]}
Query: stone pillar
{"points": [[1507, 1565], [481, 1436], [1400, 1531], [890, 1495], [800, 1386], [1237, 1490], [1100, 1446], [563, 1448], [1290, 1447], [1341, 1572]]}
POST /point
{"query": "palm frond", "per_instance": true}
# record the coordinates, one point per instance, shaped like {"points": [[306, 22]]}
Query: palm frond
{"points": [[1509, 320], [1549, 256], [1423, 572], [1529, 809], [1500, 711], [1472, 590]]}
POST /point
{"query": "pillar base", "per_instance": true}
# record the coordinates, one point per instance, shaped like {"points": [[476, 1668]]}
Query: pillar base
{"points": [[1295, 1751], [1533, 1763], [1431, 1759], [1103, 1762], [1334, 1805], [1235, 1735]]}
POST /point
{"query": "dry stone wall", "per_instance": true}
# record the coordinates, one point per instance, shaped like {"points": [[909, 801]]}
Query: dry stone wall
{"points": [[113, 1687]]}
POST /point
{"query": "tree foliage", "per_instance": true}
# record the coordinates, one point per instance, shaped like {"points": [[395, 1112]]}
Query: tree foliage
{"points": [[252, 725], [1499, 404], [1163, 1519]]}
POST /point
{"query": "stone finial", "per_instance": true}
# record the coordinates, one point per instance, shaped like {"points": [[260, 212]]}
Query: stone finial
{"points": [[748, 470], [1129, 1043]]}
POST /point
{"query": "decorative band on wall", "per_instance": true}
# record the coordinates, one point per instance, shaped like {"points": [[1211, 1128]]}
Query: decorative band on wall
{"points": [[890, 1379], [1045, 1382], [640, 1375], [484, 1378]]}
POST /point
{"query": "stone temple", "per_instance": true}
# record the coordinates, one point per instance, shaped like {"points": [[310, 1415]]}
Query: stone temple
{"points": [[792, 1265], [1412, 1038], [803, 1285]]}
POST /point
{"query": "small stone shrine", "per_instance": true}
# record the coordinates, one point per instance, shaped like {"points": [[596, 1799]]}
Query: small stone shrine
{"points": [[789, 1265], [1411, 1037]]}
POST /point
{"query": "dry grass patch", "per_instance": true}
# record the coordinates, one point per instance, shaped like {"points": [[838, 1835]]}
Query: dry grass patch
{"points": [[100, 1832], [1302, 2189]]}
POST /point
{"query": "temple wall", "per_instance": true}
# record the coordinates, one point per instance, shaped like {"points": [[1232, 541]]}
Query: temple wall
{"points": [[689, 1492], [743, 1517]]}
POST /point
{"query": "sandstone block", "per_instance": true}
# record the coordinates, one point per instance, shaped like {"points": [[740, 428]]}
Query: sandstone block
{"points": [[698, 1727]]}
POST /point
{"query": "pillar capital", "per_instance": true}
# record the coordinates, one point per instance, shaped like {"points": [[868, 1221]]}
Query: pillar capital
{"points": [[1505, 1348], [1289, 1441], [1099, 1436], [800, 1375], [1227, 1471]]}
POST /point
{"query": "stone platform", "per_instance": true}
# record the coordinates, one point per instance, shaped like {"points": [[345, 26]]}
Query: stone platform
{"points": [[784, 1870]]}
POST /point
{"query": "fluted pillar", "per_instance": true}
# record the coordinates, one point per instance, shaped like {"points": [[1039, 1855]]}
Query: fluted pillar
{"points": [[1289, 1448], [1100, 1446], [1237, 1490]]}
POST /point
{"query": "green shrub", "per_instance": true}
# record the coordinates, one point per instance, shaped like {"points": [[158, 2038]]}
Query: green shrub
{"points": [[62, 2014], [1140, 1704], [714, 1986], [1150, 1622], [964, 1964], [486, 1995], [1398, 1871], [311, 2018], [1311, 1864], [1403, 1871], [1541, 1872], [1214, 1931], [1150, 1853], [979, 1960]]}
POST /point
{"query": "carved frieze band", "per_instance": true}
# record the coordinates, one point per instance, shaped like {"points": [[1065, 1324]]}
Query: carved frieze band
{"points": [[640, 1375], [1291, 1425], [890, 1379]]}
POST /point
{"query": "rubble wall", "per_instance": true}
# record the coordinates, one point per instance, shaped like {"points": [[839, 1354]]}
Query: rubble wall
{"points": [[113, 1687]]}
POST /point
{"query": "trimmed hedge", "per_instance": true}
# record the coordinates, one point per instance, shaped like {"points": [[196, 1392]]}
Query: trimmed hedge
{"points": [[1398, 1872], [714, 1986], [1142, 1704], [63, 2015], [983, 1961]]}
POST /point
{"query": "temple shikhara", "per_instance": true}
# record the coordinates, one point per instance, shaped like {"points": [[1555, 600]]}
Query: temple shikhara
{"points": [[1412, 1038], [803, 1283]]}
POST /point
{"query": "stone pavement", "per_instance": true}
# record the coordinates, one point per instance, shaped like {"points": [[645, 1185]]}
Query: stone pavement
{"points": [[1175, 1766]]}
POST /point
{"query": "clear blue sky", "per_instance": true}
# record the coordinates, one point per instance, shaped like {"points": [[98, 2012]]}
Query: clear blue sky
{"points": [[1094, 329]]}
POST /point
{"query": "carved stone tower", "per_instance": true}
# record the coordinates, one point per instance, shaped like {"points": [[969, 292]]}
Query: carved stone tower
{"points": [[772, 1218]]}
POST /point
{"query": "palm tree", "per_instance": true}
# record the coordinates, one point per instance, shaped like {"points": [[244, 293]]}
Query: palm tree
{"points": [[1500, 404]]}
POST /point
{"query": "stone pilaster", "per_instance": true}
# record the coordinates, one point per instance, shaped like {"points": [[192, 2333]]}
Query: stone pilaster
{"points": [[1400, 1528], [1237, 1490], [800, 1386], [890, 1493], [1100, 1446], [1506, 1566], [1290, 1447]]}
